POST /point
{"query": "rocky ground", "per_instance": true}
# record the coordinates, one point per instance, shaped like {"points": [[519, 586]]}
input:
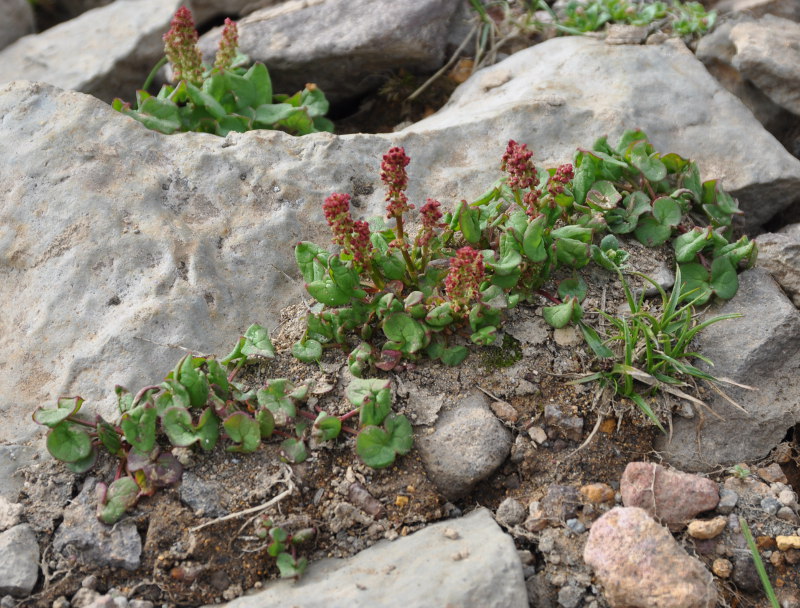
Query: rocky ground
{"points": [[120, 247]]}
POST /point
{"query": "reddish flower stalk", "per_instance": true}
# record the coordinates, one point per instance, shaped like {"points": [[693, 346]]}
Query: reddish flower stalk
{"points": [[563, 175], [352, 236], [431, 214], [180, 46], [462, 284], [517, 163], [227, 46], [393, 174]]}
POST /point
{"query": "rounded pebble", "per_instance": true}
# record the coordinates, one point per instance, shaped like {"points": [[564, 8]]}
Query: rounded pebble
{"points": [[770, 505], [707, 528], [787, 498], [576, 526], [788, 514], [722, 567], [510, 512]]}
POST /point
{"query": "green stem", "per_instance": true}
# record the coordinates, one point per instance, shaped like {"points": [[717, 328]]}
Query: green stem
{"points": [[149, 80], [401, 239]]}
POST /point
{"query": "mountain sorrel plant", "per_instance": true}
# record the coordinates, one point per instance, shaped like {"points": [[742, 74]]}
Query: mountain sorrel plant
{"points": [[464, 267], [198, 403], [224, 97]]}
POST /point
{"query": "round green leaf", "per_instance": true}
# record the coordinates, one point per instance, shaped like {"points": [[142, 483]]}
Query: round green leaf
{"points": [[307, 351], [650, 166], [294, 450], [177, 424], [66, 406], [401, 328], [651, 233], [667, 211], [121, 495], [68, 443], [244, 431], [603, 196], [373, 446]]}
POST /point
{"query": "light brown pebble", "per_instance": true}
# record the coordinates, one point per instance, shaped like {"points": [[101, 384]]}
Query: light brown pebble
{"points": [[451, 534], [597, 493], [707, 528], [722, 567], [792, 556], [772, 473], [777, 559], [401, 501], [567, 336], [787, 542], [505, 411]]}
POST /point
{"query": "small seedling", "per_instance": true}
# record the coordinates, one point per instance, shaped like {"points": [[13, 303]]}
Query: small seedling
{"points": [[224, 97], [200, 403]]}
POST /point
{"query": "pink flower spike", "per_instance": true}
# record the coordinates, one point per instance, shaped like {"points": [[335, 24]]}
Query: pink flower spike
{"points": [[466, 274], [393, 174], [227, 45], [563, 175], [517, 163], [337, 212], [180, 47]]}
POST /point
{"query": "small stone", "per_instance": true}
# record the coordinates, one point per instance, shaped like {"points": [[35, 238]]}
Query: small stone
{"points": [[777, 559], [537, 519], [616, 543], [575, 526], [120, 601], [567, 336], [770, 505], [537, 435], [505, 411], [561, 502], [722, 567], [608, 426], [745, 574], [668, 495], [772, 473], [61, 602], [792, 556], [727, 501], [707, 528], [84, 598], [518, 449], [785, 543], [570, 596], [788, 514], [90, 582], [7, 602], [526, 557], [597, 493], [561, 424], [510, 513], [401, 501], [787, 498], [19, 560], [9, 513], [450, 533], [782, 453]]}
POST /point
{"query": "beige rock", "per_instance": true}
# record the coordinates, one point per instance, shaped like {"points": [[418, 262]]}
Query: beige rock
{"points": [[722, 567], [597, 493], [640, 564], [787, 542], [707, 528]]}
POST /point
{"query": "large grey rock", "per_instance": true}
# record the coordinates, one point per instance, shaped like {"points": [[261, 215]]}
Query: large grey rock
{"points": [[467, 445], [475, 565], [118, 245], [82, 536], [321, 42], [17, 20], [780, 254], [768, 54], [716, 50], [19, 561], [759, 349], [106, 52], [571, 87], [12, 459], [639, 564], [203, 10], [788, 9]]}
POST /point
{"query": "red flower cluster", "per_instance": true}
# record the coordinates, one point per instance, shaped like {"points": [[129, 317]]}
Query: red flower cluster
{"points": [[393, 174], [517, 163], [352, 236], [464, 278], [227, 45], [431, 214], [563, 176], [180, 47]]}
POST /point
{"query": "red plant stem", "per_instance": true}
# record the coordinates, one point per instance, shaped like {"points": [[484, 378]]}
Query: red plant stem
{"points": [[235, 371], [282, 433], [119, 470], [82, 422], [552, 298], [349, 414], [307, 415], [349, 430]]}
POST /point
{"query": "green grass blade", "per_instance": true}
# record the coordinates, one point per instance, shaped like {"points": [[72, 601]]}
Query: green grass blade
{"points": [[642, 405], [762, 572]]}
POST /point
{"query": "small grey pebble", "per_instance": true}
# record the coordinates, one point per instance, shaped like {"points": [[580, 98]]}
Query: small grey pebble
{"points": [[90, 582], [770, 505], [570, 596], [7, 602], [510, 512], [727, 501], [546, 545], [121, 601], [788, 514], [61, 602], [576, 526]]}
